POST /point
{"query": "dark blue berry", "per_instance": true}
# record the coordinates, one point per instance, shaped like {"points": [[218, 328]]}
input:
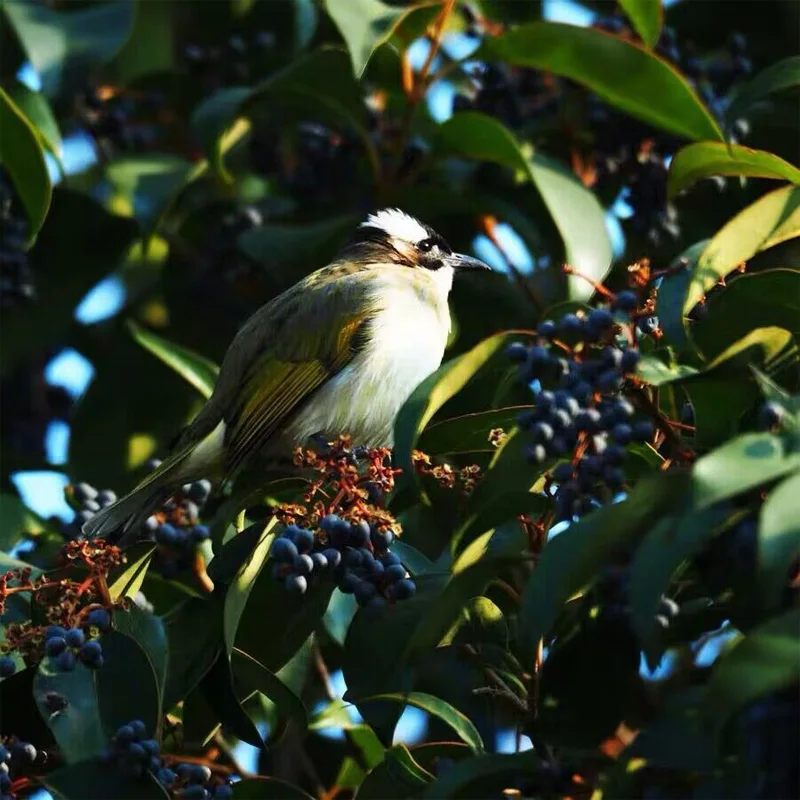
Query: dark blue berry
{"points": [[538, 359], [545, 400], [588, 420], [348, 582], [55, 645], [769, 415], [91, 654], [381, 540], [65, 661], [614, 454], [558, 446], [562, 473], [304, 540], [546, 328], [390, 559], [614, 477], [643, 430], [630, 360], [296, 584], [560, 419], [395, 572], [582, 392], [151, 747], [319, 561], [404, 589], [364, 592], [7, 666], [195, 792], [167, 534], [283, 550], [332, 556], [625, 301], [106, 498], [75, 637], [200, 773], [166, 777], [352, 558], [23, 751], [536, 453], [199, 533], [622, 433], [590, 465], [124, 735], [223, 792], [570, 325], [55, 630], [517, 352], [138, 728], [99, 618], [600, 319], [199, 491], [608, 381], [622, 409], [360, 534], [542, 432]]}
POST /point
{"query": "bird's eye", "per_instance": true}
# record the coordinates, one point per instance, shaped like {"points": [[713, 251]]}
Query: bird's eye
{"points": [[426, 245]]}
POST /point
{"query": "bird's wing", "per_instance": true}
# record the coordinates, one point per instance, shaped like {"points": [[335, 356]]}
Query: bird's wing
{"points": [[288, 351]]}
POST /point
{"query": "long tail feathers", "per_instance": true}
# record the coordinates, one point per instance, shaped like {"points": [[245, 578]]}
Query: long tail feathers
{"points": [[130, 511]]}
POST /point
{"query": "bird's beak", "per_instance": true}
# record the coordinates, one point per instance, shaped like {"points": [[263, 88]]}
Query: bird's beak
{"points": [[460, 261]]}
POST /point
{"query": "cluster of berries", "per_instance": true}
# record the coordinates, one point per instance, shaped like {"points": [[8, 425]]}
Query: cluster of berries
{"points": [[134, 755], [16, 278], [349, 538], [578, 368], [65, 647], [239, 60], [357, 556], [16, 757]]}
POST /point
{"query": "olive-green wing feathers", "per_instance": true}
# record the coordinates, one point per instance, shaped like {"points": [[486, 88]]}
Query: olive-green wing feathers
{"points": [[284, 353]]}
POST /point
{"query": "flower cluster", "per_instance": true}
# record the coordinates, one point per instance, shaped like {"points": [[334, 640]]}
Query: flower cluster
{"points": [[466, 478], [77, 608]]}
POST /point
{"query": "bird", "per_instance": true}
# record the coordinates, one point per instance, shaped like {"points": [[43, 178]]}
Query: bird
{"points": [[337, 353]]}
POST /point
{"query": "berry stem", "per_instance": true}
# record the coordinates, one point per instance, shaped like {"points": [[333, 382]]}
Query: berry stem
{"points": [[598, 287]]}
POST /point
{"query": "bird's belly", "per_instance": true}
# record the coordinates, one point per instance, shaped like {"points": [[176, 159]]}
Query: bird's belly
{"points": [[364, 398]]}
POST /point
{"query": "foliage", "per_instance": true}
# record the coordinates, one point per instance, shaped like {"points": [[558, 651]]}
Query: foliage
{"points": [[587, 532]]}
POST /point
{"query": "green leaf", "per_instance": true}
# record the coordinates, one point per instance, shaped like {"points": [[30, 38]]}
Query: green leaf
{"points": [[772, 218], [15, 520], [647, 17], [194, 368], [267, 789], [744, 463], [364, 25], [22, 156], [468, 433], [776, 77], [575, 211], [64, 47], [765, 660], [654, 371], [253, 676], [435, 391], [572, 559], [95, 705], [149, 47], [623, 73], [481, 621], [398, 776], [704, 159], [769, 299], [92, 780], [778, 539], [35, 107], [479, 777], [672, 541], [340, 99], [128, 579], [67, 259], [451, 716], [148, 631]]}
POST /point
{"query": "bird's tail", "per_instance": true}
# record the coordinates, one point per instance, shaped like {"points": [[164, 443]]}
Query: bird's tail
{"points": [[129, 512]]}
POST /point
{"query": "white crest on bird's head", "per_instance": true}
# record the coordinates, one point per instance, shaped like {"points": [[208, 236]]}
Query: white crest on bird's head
{"points": [[398, 225]]}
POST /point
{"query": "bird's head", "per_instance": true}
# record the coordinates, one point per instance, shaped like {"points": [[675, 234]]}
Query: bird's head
{"points": [[392, 236]]}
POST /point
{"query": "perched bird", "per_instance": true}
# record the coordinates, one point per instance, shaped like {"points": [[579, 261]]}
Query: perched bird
{"points": [[338, 352]]}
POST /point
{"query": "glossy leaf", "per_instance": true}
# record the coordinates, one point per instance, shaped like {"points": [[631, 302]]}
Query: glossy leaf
{"points": [[93, 780], [437, 708], [772, 218], [35, 107], [704, 159], [194, 368], [778, 539], [468, 433], [742, 464], [397, 776], [765, 660], [575, 211], [22, 156], [623, 73], [127, 580], [646, 17], [573, 558], [65, 47], [435, 391], [777, 77]]}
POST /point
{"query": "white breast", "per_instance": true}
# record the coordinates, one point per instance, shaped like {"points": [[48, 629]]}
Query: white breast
{"points": [[407, 342]]}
